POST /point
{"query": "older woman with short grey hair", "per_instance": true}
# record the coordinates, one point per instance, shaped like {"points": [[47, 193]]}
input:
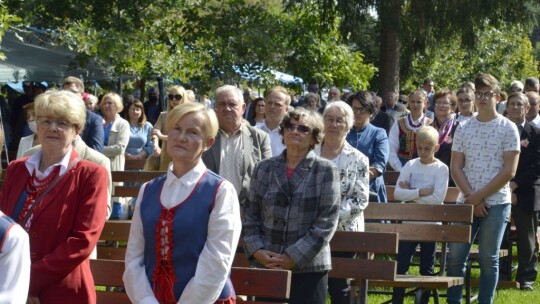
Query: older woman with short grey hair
{"points": [[292, 209], [353, 168]]}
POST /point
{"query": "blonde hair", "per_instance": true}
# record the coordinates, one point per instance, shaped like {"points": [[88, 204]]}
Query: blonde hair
{"points": [[190, 96], [180, 90], [73, 80], [427, 134], [116, 99], [279, 89], [211, 124], [62, 104]]}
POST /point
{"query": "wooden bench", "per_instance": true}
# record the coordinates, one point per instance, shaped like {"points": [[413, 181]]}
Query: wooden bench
{"points": [[366, 245], [134, 177], [252, 282], [417, 230], [109, 268], [451, 198]]}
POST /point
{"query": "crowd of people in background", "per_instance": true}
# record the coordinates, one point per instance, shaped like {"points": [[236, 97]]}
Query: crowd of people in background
{"points": [[287, 172]]}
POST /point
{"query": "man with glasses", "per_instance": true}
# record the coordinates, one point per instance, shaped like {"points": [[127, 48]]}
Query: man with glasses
{"points": [[92, 134], [238, 146], [277, 101], [532, 115], [485, 154]]}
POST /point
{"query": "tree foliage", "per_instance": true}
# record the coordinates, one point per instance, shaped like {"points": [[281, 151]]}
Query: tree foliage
{"points": [[505, 52], [6, 19], [202, 41]]}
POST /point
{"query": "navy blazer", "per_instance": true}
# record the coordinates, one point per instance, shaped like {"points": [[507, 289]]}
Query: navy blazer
{"points": [[528, 171], [92, 134]]}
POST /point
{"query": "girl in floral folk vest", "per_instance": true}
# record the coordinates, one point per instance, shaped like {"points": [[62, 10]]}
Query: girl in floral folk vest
{"points": [[402, 136]]}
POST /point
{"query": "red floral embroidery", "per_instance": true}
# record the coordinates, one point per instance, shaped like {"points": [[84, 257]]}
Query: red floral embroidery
{"points": [[164, 275]]}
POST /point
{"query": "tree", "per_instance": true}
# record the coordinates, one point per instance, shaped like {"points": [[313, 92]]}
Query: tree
{"points": [[6, 19], [204, 41], [408, 27]]}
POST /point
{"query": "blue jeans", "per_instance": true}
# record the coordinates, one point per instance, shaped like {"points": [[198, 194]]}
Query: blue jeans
{"points": [[491, 231]]}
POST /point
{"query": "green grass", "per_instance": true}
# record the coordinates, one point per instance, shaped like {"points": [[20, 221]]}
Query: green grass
{"points": [[502, 296]]}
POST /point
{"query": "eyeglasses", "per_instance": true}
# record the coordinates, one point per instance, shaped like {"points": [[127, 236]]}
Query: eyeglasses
{"points": [[516, 89], [485, 95], [46, 122], [300, 128], [462, 101], [175, 96], [359, 110], [442, 103]]}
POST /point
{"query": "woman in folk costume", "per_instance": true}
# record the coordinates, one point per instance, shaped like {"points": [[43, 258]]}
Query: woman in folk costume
{"points": [[186, 223], [60, 200], [402, 136]]}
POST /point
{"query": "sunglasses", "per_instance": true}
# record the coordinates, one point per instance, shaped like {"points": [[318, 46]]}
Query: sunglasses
{"points": [[177, 97], [300, 128]]}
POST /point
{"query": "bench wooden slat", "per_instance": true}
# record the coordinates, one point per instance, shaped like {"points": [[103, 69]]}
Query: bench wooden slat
{"points": [[451, 194], [425, 232], [134, 176], [419, 212], [413, 281], [349, 241], [268, 283], [111, 253], [137, 164], [363, 269], [126, 191], [116, 231]]}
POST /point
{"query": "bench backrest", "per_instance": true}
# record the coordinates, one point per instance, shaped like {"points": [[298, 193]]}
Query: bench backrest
{"points": [[450, 198], [271, 284], [116, 234], [416, 216], [365, 244]]}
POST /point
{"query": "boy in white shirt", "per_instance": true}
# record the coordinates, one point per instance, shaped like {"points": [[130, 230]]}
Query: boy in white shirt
{"points": [[423, 180]]}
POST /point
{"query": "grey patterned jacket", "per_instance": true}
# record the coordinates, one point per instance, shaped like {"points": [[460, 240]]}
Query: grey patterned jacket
{"points": [[297, 216]]}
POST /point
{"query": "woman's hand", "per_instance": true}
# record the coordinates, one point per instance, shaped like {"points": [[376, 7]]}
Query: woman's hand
{"points": [[373, 173], [425, 191], [157, 151], [481, 209], [130, 156], [158, 133], [281, 261]]}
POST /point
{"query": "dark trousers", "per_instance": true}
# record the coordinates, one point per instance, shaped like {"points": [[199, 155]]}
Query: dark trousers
{"points": [[427, 265], [527, 252], [309, 288], [340, 289]]}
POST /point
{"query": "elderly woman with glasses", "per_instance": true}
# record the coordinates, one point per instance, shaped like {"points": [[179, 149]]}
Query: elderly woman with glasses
{"points": [[370, 140], [445, 123], [292, 209], [60, 200], [353, 168], [175, 97]]}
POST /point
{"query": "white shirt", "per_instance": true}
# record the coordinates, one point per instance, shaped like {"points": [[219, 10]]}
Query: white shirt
{"points": [[483, 144], [33, 162], [536, 121], [14, 265], [462, 118], [276, 140], [216, 258], [419, 175], [393, 140], [232, 158]]}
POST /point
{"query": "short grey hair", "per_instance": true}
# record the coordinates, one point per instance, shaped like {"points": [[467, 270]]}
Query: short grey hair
{"points": [[344, 108], [230, 88]]}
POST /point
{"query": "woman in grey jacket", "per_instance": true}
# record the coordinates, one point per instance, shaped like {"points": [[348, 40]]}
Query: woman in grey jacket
{"points": [[292, 209]]}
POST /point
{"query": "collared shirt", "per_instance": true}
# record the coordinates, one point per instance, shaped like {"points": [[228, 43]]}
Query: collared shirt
{"points": [[231, 160], [15, 264], [216, 258], [536, 121], [276, 140], [33, 162]]}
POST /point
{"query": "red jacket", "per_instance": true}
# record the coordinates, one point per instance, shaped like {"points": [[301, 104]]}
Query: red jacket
{"points": [[65, 228]]}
